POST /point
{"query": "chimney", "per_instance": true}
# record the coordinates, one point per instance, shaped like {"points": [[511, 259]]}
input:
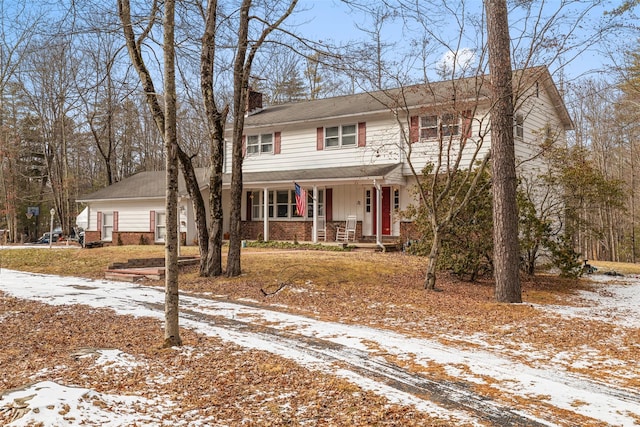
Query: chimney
{"points": [[254, 101]]}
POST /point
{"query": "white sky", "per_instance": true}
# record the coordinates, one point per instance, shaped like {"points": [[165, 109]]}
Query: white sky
{"points": [[607, 403]]}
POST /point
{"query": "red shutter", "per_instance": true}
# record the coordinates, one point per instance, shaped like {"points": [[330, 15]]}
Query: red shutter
{"points": [[362, 134], [328, 204], [99, 222], [152, 221], [249, 206], [414, 129], [115, 220], [467, 121], [319, 139], [244, 145], [277, 137]]}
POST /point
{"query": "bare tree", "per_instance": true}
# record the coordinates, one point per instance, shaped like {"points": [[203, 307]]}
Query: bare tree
{"points": [[505, 209], [17, 29], [171, 329], [166, 122], [216, 119], [244, 56]]}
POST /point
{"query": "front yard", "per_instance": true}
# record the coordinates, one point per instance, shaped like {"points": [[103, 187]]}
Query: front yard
{"points": [[580, 334]]}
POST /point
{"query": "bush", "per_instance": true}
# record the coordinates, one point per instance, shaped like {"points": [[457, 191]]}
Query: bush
{"points": [[565, 257]]}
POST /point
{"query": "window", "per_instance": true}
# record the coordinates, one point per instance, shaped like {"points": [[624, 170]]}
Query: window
{"points": [[282, 203], [310, 203], [161, 227], [257, 205], [340, 136], [367, 201], [260, 144], [396, 199], [518, 126], [107, 226], [448, 124], [284, 206]]}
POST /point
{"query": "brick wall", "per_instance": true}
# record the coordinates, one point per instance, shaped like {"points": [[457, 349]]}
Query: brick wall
{"points": [[91, 236], [132, 238], [128, 238]]}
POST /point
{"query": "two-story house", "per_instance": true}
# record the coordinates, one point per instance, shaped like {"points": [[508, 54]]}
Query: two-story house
{"points": [[354, 155]]}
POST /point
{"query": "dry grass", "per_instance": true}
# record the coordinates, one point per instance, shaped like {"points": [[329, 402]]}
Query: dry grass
{"points": [[386, 291]]}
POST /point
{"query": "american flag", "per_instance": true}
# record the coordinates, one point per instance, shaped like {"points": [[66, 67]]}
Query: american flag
{"points": [[301, 200]]}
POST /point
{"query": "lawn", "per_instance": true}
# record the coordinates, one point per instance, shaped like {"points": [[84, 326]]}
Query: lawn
{"points": [[378, 290]]}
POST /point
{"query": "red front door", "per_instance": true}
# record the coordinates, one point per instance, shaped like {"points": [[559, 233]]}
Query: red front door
{"points": [[386, 211]]}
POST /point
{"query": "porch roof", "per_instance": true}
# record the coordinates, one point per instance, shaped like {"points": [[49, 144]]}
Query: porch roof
{"points": [[151, 185], [389, 173]]}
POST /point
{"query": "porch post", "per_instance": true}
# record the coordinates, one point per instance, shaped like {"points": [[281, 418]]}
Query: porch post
{"points": [[265, 215], [315, 214], [378, 213]]}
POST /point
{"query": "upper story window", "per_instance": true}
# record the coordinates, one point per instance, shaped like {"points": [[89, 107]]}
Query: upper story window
{"points": [[436, 126], [340, 136], [260, 144], [518, 126]]}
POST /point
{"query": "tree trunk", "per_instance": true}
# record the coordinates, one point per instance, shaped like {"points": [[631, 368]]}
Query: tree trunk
{"points": [[172, 329], [215, 122], [240, 80], [430, 278], [214, 255], [199, 211], [505, 211]]}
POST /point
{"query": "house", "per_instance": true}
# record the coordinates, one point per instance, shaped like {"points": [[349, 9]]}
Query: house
{"points": [[352, 154]]}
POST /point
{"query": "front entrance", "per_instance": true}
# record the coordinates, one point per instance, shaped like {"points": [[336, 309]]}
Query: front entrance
{"points": [[386, 211]]}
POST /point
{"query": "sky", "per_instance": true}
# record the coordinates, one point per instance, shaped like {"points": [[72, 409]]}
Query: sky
{"points": [[549, 377], [334, 20]]}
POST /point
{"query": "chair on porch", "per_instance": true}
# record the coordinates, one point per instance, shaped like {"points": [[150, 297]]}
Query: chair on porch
{"points": [[348, 232], [322, 228]]}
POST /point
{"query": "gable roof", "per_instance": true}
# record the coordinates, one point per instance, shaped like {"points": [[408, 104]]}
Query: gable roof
{"points": [[151, 185], [465, 91], [143, 185]]}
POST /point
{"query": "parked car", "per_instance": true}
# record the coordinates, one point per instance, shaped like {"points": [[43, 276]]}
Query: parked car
{"points": [[45, 237]]}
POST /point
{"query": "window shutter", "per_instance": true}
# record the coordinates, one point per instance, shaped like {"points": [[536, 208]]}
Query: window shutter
{"points": [[328, 204], [115, 220], [277, 138], [152, 221], [244, 145], [413, 129], [362, 134], [99, 222], [319, 139], [248, 208], [467, 121]]}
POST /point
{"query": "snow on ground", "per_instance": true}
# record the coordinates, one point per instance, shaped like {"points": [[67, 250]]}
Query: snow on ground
{"points": [[610, 405], [618, 302], [57, 405]]}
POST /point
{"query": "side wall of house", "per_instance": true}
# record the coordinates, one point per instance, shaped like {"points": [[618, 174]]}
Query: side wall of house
{"points": [[134, 221]]}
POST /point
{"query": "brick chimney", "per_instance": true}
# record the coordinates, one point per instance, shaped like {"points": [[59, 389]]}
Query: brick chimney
{"points": [[254, 101]]}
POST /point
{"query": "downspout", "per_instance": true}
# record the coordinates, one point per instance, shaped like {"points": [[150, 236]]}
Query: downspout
{"points": [[378, 215]]}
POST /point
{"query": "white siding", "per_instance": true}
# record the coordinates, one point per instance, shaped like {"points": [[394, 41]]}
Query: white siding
{"points": [[133, 215], [477, 145], [299, 149]]}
